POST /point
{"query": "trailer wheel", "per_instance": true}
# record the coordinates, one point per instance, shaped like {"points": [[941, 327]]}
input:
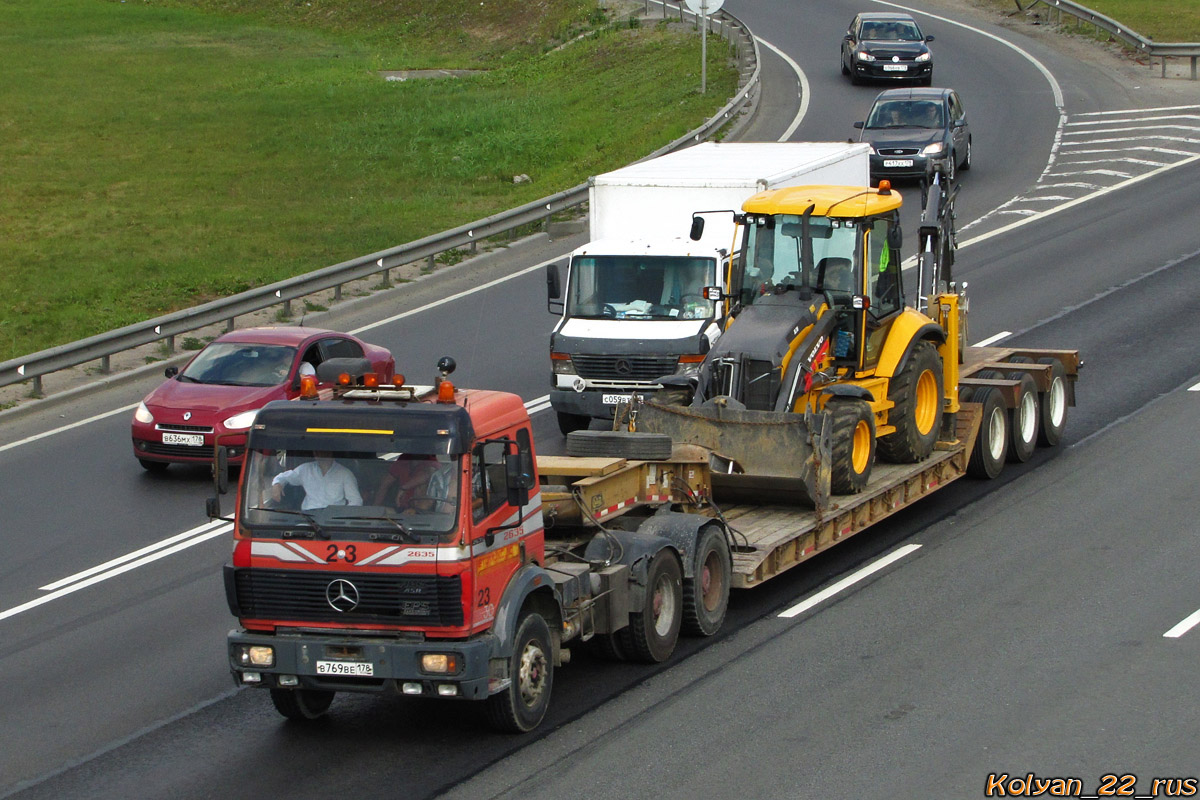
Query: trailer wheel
{"points": [[301, 705], [916, 392], [706, 593], [987, 458], [569, 423], [653, 632], [853, 451], [520, 707], [1054, 404], [1023, 420], [619, 444]]}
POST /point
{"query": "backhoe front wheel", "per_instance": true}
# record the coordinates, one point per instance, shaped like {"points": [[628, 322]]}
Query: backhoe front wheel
{"points": [[520, 707], [916, 395], [853, 450]]}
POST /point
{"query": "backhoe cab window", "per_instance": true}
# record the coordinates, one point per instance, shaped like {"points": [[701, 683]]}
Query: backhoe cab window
{"points": [[628, 287], [883, 271], [771, 256], [320, 495]]}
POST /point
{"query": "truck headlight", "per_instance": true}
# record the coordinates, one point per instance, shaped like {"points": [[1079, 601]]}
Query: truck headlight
{"points": [[561, 364], [440, 663], [256, 655], [241, 421], [143, 415]]}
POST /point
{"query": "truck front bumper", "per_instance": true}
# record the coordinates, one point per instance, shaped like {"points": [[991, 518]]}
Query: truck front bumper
{"points": [[363, 664]]}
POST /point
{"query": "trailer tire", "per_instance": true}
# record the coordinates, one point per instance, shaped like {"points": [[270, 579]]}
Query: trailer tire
{"points": [[568, 423], [853, 449], [916, 395], [302, 705], [706, 593], [653, 632], [1053, 403], [991, 443], [620, 444], [520, 707], [1023, 420]]}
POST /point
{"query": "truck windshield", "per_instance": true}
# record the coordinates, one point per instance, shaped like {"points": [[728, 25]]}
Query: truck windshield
{"points": [[402, 497], [772, 255], [640, 287]]}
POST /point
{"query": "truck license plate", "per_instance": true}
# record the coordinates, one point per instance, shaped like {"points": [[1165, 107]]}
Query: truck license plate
{"points": [[895, 68], [353, 668], [613, 399], [897, 162], [190, 439]]}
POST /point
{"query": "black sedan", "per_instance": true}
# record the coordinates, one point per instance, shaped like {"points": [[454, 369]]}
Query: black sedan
{"points": [[886, 46], [911, 129]]}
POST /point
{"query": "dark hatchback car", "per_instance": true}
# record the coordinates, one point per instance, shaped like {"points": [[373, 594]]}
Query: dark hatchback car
{"points": [[910, 130], [886, 46]]}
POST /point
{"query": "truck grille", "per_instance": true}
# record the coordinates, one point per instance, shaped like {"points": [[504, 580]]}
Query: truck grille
{"points": [[425, 600], [618, 368]]}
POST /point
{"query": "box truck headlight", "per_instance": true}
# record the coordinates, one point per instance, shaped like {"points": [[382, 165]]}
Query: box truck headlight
{"points": [[561, 364], [255, 655], [689, 364], [440, 663]]}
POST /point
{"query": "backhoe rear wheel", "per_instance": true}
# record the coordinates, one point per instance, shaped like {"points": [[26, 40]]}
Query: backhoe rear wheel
{"points": [[916, 394], [853, 450]]}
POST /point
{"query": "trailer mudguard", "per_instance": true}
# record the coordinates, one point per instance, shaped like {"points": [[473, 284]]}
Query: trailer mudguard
{"points": [[527, 581], [907, 329], [635, 548], [681, 530]]}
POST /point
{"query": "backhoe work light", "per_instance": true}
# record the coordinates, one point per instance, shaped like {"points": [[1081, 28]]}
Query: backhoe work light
{"points": [[885, 186], [440, 663]]}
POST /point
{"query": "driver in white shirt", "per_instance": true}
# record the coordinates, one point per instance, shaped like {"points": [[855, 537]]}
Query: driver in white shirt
{"points": [[325, 483]]}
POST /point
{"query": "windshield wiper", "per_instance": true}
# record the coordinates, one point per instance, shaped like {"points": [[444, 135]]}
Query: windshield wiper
{"points": [[318, 531], [404, 534]]}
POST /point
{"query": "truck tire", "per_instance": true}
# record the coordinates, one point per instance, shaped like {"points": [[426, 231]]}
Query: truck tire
{"points": [[853, 449], [619, 444], [916, 392], [1053, 403], [520, 707], [1023, 420], [987, 458], [606, 646], [569, 423], [706, 593], [301, 705], [653, 632]]}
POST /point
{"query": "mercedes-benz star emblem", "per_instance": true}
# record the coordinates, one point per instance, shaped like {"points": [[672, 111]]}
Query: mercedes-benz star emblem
{"points": [[623, 367], [341, 595]]}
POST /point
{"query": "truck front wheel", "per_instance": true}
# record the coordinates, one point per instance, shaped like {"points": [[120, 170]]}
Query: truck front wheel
{"points": [[568, 423], [522, 705], [301, 705], [653, 632]]}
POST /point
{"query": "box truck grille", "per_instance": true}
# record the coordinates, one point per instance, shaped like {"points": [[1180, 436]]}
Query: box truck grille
{"points": [[617, 368], [301, 595]]}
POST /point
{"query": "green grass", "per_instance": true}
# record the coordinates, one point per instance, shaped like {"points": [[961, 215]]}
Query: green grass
{"points": [[156, 155]]}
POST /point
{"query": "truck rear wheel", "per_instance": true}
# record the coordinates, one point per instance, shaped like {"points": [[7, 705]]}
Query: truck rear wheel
{"points": [[619, 444], [520, 707], [301, 705], [916, 394], [987, 458], [569, 423], [1053, 404], [853, 450], [653, 632], [706, 593]]}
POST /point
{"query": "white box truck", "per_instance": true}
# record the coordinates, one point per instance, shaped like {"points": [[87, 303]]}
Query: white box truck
{"points": [[634, 305]]}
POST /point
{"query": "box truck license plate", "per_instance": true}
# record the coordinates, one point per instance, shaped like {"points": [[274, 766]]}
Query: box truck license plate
{"points": [[613, 399], [895, 67], [190, 439], [353, 668], [897, 162]]}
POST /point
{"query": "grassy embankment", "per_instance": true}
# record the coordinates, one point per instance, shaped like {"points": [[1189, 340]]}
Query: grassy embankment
{"points": [[156, 154], [1161, 20]]}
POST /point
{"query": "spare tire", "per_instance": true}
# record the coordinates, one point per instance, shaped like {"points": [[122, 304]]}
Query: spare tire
{"points": [[620, 444]]}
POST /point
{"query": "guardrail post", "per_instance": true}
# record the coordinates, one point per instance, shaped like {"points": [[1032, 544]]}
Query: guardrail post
{"points": [[229, 324], [287, 309], [1193, 67], [429, 263], [1164, 67], [105, 365], [171, 345], [37, 386], [337, 293]]}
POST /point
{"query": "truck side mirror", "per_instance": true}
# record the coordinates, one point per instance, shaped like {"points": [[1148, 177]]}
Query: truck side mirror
{"points": [[697, 229], [554, 303], [518, 473], [221, 470]]}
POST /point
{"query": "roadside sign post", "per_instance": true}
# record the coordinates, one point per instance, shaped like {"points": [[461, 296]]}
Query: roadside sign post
{"points": [[704, 8]]}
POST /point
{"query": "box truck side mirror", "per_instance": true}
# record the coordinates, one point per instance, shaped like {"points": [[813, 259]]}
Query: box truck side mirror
{"points": [[554, 303]]}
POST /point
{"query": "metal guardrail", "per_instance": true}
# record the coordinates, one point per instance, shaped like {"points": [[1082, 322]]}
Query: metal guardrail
{"points": [[1148, 47], [102, 346]]}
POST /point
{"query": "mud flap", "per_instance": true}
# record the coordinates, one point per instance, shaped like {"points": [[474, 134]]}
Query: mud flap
{"points": [[783, 455]]}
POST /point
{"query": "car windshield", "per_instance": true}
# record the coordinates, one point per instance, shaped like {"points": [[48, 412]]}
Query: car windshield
{"points": [[240, 364], [906, 114], [899, 31], [401, 497], [640, 287]]}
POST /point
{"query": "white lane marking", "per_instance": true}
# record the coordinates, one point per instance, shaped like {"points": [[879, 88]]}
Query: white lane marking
{"points": [[1184, 625], [112, 573], [150, 548], [994, 339], [1195, 388], [1139, 110], [805, 94], [850, 580], [34, 438]]}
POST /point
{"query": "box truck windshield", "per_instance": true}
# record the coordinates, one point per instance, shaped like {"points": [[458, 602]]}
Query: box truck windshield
{"points": [[640, 287]]}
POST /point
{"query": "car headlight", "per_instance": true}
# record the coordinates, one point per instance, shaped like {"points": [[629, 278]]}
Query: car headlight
{"points": [[934, 149], [863, 55], [143, 415], [241, 421], [924, 57]]}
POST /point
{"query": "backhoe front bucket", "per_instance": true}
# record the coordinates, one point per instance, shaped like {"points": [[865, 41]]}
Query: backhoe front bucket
{"points": [[781, 455]]}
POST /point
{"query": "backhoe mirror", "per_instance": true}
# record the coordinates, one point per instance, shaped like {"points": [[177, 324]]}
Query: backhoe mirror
{"points": [[895, 237]]}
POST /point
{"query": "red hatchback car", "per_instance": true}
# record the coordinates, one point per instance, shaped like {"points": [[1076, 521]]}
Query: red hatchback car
{"points": [[225, 384]]}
